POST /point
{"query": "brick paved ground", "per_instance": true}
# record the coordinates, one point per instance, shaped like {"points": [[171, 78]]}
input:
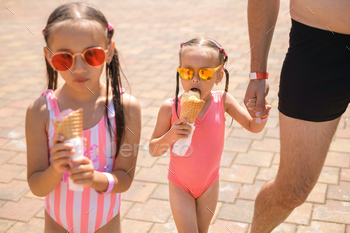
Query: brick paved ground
{"points": [[148, 34]]}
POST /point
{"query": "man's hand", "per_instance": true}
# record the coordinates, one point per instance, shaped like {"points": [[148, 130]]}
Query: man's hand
{"points": [[257, 89]]}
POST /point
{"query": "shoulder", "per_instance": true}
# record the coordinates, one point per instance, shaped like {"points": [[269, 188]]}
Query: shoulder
{"points": [[37, 112], [130, 104], [228, 100]]}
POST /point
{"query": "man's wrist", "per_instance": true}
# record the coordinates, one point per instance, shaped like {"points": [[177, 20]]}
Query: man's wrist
{"points": [[258, 75]]}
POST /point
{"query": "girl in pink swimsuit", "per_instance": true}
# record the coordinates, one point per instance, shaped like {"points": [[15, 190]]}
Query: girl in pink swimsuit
{"points": [[79, 47], [193, 177]]}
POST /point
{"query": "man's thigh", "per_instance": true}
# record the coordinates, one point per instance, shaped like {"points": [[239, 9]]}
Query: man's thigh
{"points": [[304, 146]]}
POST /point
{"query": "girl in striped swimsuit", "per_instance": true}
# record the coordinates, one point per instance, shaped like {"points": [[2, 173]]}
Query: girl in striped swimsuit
{"points": [[79, 46]]}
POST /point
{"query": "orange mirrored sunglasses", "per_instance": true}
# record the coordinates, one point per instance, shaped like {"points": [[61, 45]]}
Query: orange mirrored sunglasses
{"points": [[205, 74]]}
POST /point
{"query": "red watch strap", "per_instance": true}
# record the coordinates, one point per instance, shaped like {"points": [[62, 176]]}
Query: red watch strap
{"points": [[259, 75]]}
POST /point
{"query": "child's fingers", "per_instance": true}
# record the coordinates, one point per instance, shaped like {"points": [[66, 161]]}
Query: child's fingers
{"points": [[61, 147], [57, 139], [181, 121]]}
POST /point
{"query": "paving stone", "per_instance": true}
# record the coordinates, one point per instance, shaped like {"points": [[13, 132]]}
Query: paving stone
{"points": [[6, 155], [10, 121], [285, 228], [340, 145], [23, 210], [33, 226], [237, 144], [13, 190], [221, 226], [20, 159], [124, 208], [345, 174], [339, 192], [243, 133], [9, 171], [5, 224], [241, 211], [15, 145], [228, 191], [267, 174], [332, 211], [168, 227], [227, 158], [276, 159], [144, 159], [272, 133], [329, 175], [301, 215], [153, 211], [267, 144], [157, 174], [336, 159], [134, 226], [318, 194], [322, 227], [254, 158], [41, 213], [250, 191], [139, 191], [163, 160], [347, 229], [239, 173], [161, 192]]}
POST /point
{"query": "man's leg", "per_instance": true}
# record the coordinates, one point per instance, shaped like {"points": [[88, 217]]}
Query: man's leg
{"points": [[304, 146]]}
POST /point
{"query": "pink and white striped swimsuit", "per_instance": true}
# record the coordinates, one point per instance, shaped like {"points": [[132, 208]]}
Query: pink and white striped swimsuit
{"points": [[85, 211]]}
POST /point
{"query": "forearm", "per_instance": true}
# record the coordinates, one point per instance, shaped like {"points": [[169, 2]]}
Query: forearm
{"points": [[158, 146], [262, 17], [256, 127], [42, 183], [122, 181]]}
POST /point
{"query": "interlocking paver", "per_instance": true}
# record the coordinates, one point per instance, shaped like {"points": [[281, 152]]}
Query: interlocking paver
{"points": [[239, 173], [9, 171], [23, 210], [301, 215], [13, 190], [228, 191], [221, 226], [339, 192], [285, 228], [134, 226], [318, 194], [161, 192], [250, 191], [329, 175], [148, 34], [345, 174], [325, 227], [139, 191], [332, 211], [153, 210], [241, 211], [254, 158], [33, 226]]}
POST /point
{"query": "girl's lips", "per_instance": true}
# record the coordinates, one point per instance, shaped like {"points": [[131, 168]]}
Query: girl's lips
{"points": [[81, 80]]}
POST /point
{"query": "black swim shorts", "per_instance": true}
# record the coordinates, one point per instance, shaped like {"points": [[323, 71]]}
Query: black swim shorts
{"points": [[315, 77]]}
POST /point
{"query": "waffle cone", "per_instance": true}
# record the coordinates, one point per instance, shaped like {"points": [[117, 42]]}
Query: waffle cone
{"points": [[191, 108], [71, 126]]}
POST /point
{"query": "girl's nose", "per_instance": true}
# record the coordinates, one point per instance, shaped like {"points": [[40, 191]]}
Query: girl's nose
{"points": [[79, 65], [195, 77]]}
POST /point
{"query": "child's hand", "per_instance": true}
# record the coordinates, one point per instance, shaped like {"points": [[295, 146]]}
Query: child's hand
{"points": [[180, 129], [82, 171], [251, 106], [61, 154]]}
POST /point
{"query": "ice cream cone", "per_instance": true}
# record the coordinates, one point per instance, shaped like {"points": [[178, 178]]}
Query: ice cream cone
{"points": [[71, 126], [190, 108]]}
